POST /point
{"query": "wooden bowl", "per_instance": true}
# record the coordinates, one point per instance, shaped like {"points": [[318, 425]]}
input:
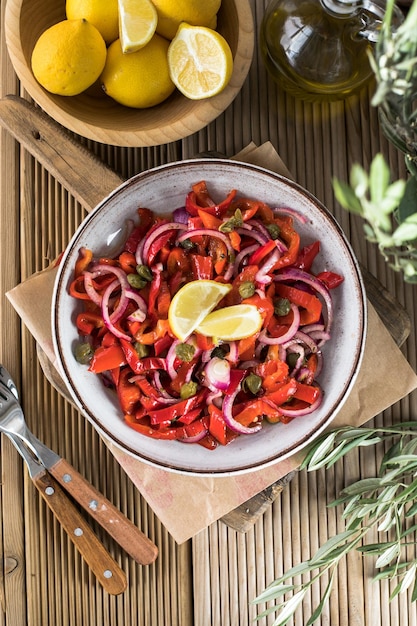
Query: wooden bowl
{"points": [[96, 116]]}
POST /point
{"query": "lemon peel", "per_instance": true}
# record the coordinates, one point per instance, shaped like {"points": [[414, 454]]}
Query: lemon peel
{"points": [[195, 12], [68, 57], [138, 79]]}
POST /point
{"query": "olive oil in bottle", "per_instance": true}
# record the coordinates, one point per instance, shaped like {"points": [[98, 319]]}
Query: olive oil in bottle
{"points": [[318, 49]]}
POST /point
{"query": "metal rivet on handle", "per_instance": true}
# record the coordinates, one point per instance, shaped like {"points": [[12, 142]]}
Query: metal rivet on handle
{"points": [[108, 573], [93, 505], [67, 478], [49, 491], [78, 532]]}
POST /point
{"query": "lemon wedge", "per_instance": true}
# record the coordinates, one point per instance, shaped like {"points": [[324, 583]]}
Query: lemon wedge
{"points": [[137, 24], [192, 303], [232, 322], [200, 61]]}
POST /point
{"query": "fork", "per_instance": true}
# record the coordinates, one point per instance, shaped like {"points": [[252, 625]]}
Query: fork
{"points": [[44, 466]]}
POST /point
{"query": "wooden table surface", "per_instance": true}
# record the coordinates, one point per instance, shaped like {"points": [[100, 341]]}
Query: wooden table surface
{"points": [[211, 579]]}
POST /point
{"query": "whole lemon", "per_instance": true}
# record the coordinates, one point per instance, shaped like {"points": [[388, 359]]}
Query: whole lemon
{"points": [[69, 57], [195, 12], [138, 79], [103, 14]]}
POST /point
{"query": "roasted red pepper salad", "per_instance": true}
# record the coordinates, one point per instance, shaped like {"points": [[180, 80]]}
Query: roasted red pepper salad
{"points": [[202, 388]]}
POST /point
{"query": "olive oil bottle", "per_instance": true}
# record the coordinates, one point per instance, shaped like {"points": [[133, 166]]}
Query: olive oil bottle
{"points": [[318, 49]]}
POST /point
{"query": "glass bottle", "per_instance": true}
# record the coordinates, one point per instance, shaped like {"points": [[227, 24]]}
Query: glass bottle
{"points": [[318, 49]]}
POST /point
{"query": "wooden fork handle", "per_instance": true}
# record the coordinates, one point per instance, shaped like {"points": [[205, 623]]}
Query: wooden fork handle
{"points": [[123, 531], [102, 564]]}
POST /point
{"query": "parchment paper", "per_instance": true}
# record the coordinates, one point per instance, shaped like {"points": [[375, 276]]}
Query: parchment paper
{"points": [[186, 504]]}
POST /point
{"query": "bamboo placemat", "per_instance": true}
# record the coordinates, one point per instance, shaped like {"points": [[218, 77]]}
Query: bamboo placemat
{"points": [[210, 580]]}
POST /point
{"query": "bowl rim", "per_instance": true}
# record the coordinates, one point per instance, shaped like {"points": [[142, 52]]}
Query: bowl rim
{"points": [[243, 468], [201, 113]]}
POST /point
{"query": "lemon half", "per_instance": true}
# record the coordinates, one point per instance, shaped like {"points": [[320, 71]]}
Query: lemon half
{"points": [[200, 61], [192, 303], [232, 322]]}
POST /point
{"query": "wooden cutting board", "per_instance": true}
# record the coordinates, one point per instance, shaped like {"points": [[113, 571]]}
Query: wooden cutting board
{"points": [[89, 180]]}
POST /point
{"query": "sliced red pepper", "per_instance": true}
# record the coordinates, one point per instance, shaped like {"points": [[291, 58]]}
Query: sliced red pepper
{"points": [[199, 198], [262, 252], [159, 243], [246, 275], [127, 262], [178, 260], [306, 393], [77, 289], [249, 412], [209, 220], [141, 365], [174, 411], [87, 321], [204, 343], [83, 261], [292, 240], [307, 255], [309, 302], [191, 416], [128, 393], [235, 240], [330, 279], [163, 300], [283, 393], [246, 348], [217, 425], [162, 344], [146, 220], [218, 252], [273, 373], [153, 292], [247, 207], [202, 267], [105, 359], [142, 425], [161, 329]]}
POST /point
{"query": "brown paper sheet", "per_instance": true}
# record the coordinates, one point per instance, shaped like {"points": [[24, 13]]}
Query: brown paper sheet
{"points": [[186, 504]]}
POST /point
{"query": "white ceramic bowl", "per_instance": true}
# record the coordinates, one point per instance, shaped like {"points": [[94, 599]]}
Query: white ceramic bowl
{"points": [[164, 188]]}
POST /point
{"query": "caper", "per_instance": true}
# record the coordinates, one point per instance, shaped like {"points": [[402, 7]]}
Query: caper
{"points": [[282, 306], [185, 352], [188, 390], [83, 353], [247, 289]]}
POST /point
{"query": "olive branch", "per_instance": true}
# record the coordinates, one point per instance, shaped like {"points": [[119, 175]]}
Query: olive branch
{"points": [[386, 504], [390, 209]]}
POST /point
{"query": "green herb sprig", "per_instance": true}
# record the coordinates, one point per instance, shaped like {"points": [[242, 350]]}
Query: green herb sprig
{"points": [[386, 504], [390, 210]]}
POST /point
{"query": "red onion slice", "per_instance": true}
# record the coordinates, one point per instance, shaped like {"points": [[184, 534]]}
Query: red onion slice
{"points": [[315, 283], [217, 374], [288, 336], [306, 411], [236, 377], [106, 314], [155, 234]]}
